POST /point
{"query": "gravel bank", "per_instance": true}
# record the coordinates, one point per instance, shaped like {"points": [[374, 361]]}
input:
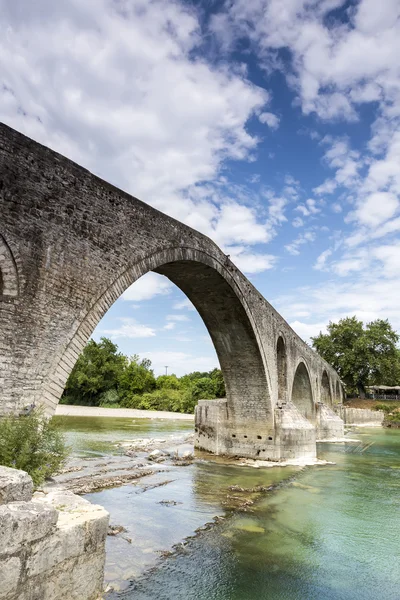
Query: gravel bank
{"points": [[128, 413]]}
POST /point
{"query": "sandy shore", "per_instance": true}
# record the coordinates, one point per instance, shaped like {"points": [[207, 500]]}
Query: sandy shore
{"points": [[128, 413]]}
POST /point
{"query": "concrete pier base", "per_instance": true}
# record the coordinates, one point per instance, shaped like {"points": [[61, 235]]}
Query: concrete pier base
{"points": [[291, 437], [329, 425]]}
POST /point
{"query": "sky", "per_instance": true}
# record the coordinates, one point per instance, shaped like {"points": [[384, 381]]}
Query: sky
{"points": [[272, 126]]}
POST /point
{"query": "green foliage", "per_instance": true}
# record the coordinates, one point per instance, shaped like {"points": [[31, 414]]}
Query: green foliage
{"points": [[109, 399], [203, 389], [32, 443], [104, 377], [384, 407], [137, 378], [361, 355], [168, 382], [98, 369]]}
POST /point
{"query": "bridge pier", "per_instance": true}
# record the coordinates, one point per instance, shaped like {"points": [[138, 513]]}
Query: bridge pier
{"points": [[329, 425], [291, 437]]}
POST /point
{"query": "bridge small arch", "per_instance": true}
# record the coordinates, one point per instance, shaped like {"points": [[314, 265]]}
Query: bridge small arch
{"points": [[8, 272], [281, 361], [302, 396], [337, 392], [326, 394]]}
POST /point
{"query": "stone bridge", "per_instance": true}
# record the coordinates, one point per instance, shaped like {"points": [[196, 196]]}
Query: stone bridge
{"points": [[70, 244]]}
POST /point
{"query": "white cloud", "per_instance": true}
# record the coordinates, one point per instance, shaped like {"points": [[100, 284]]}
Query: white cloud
{"points": [[389, 257], [169, 326], [307, 330], [320, 264], [298, 222], [269, 119], [336, 64], [377, 208], [146, 287], [178, 318], [185, 303], [308, 208], [294, 247], [328, 187], [276, 209], [180, 362], [129, 329], [239, 224], [121, 88], [251, 262]]}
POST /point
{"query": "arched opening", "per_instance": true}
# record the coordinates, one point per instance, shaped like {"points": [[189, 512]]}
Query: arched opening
{"points": [[282, 369], [326, 395], [211, 289], [8, 271], [302, 393], [337, 392]]}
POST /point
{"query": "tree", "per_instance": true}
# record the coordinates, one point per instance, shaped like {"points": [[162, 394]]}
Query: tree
{"points": [[168, 382], [219, 383], [137, 377], [361, 355], [98, 369]]}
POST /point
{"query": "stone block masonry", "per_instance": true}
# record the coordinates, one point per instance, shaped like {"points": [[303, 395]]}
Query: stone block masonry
{"points": [[52, 545], [71, 244]]}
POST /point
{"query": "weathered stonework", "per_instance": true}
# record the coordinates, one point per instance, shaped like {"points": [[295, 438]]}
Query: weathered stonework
{"points": [[52, 546], [360, 416], [330, 426], [75, 244]]}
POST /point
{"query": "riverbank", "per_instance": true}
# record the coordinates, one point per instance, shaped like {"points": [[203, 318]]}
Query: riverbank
{"points": [[68, 410], [163, 497]]}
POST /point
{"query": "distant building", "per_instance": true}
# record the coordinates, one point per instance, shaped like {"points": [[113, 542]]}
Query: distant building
{"points": [[383, 392]]}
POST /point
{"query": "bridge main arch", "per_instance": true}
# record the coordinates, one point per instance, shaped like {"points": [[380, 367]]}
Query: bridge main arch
{"points": [[220, 303]]}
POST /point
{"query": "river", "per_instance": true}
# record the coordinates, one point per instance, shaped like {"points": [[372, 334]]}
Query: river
{"points": [[328, 532]]}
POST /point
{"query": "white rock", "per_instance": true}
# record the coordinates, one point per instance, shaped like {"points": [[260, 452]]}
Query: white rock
{"points": [[15, 485]]}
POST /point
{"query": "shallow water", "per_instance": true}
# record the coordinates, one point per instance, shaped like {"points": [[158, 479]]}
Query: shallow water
{"points": [[97, 436], [330, 532]]}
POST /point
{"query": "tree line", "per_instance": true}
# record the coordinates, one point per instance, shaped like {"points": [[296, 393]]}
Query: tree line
{"points": [[103, 376], [361, 355]]}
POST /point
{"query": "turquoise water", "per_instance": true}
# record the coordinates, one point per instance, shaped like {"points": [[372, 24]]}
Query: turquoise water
{"points": [[324, 533], [333, 533]]}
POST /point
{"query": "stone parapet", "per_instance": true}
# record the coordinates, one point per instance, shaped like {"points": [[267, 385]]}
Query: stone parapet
{"points": [[14, 485], [52, 545]]}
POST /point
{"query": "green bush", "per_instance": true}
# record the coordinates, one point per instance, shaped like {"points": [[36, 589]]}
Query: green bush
{"points": [[386, 408], [33, 444], [109, 399], [164, 399]]}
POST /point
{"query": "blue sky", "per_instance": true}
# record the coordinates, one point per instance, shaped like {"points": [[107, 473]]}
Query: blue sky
{"points": [[273, 126]]}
